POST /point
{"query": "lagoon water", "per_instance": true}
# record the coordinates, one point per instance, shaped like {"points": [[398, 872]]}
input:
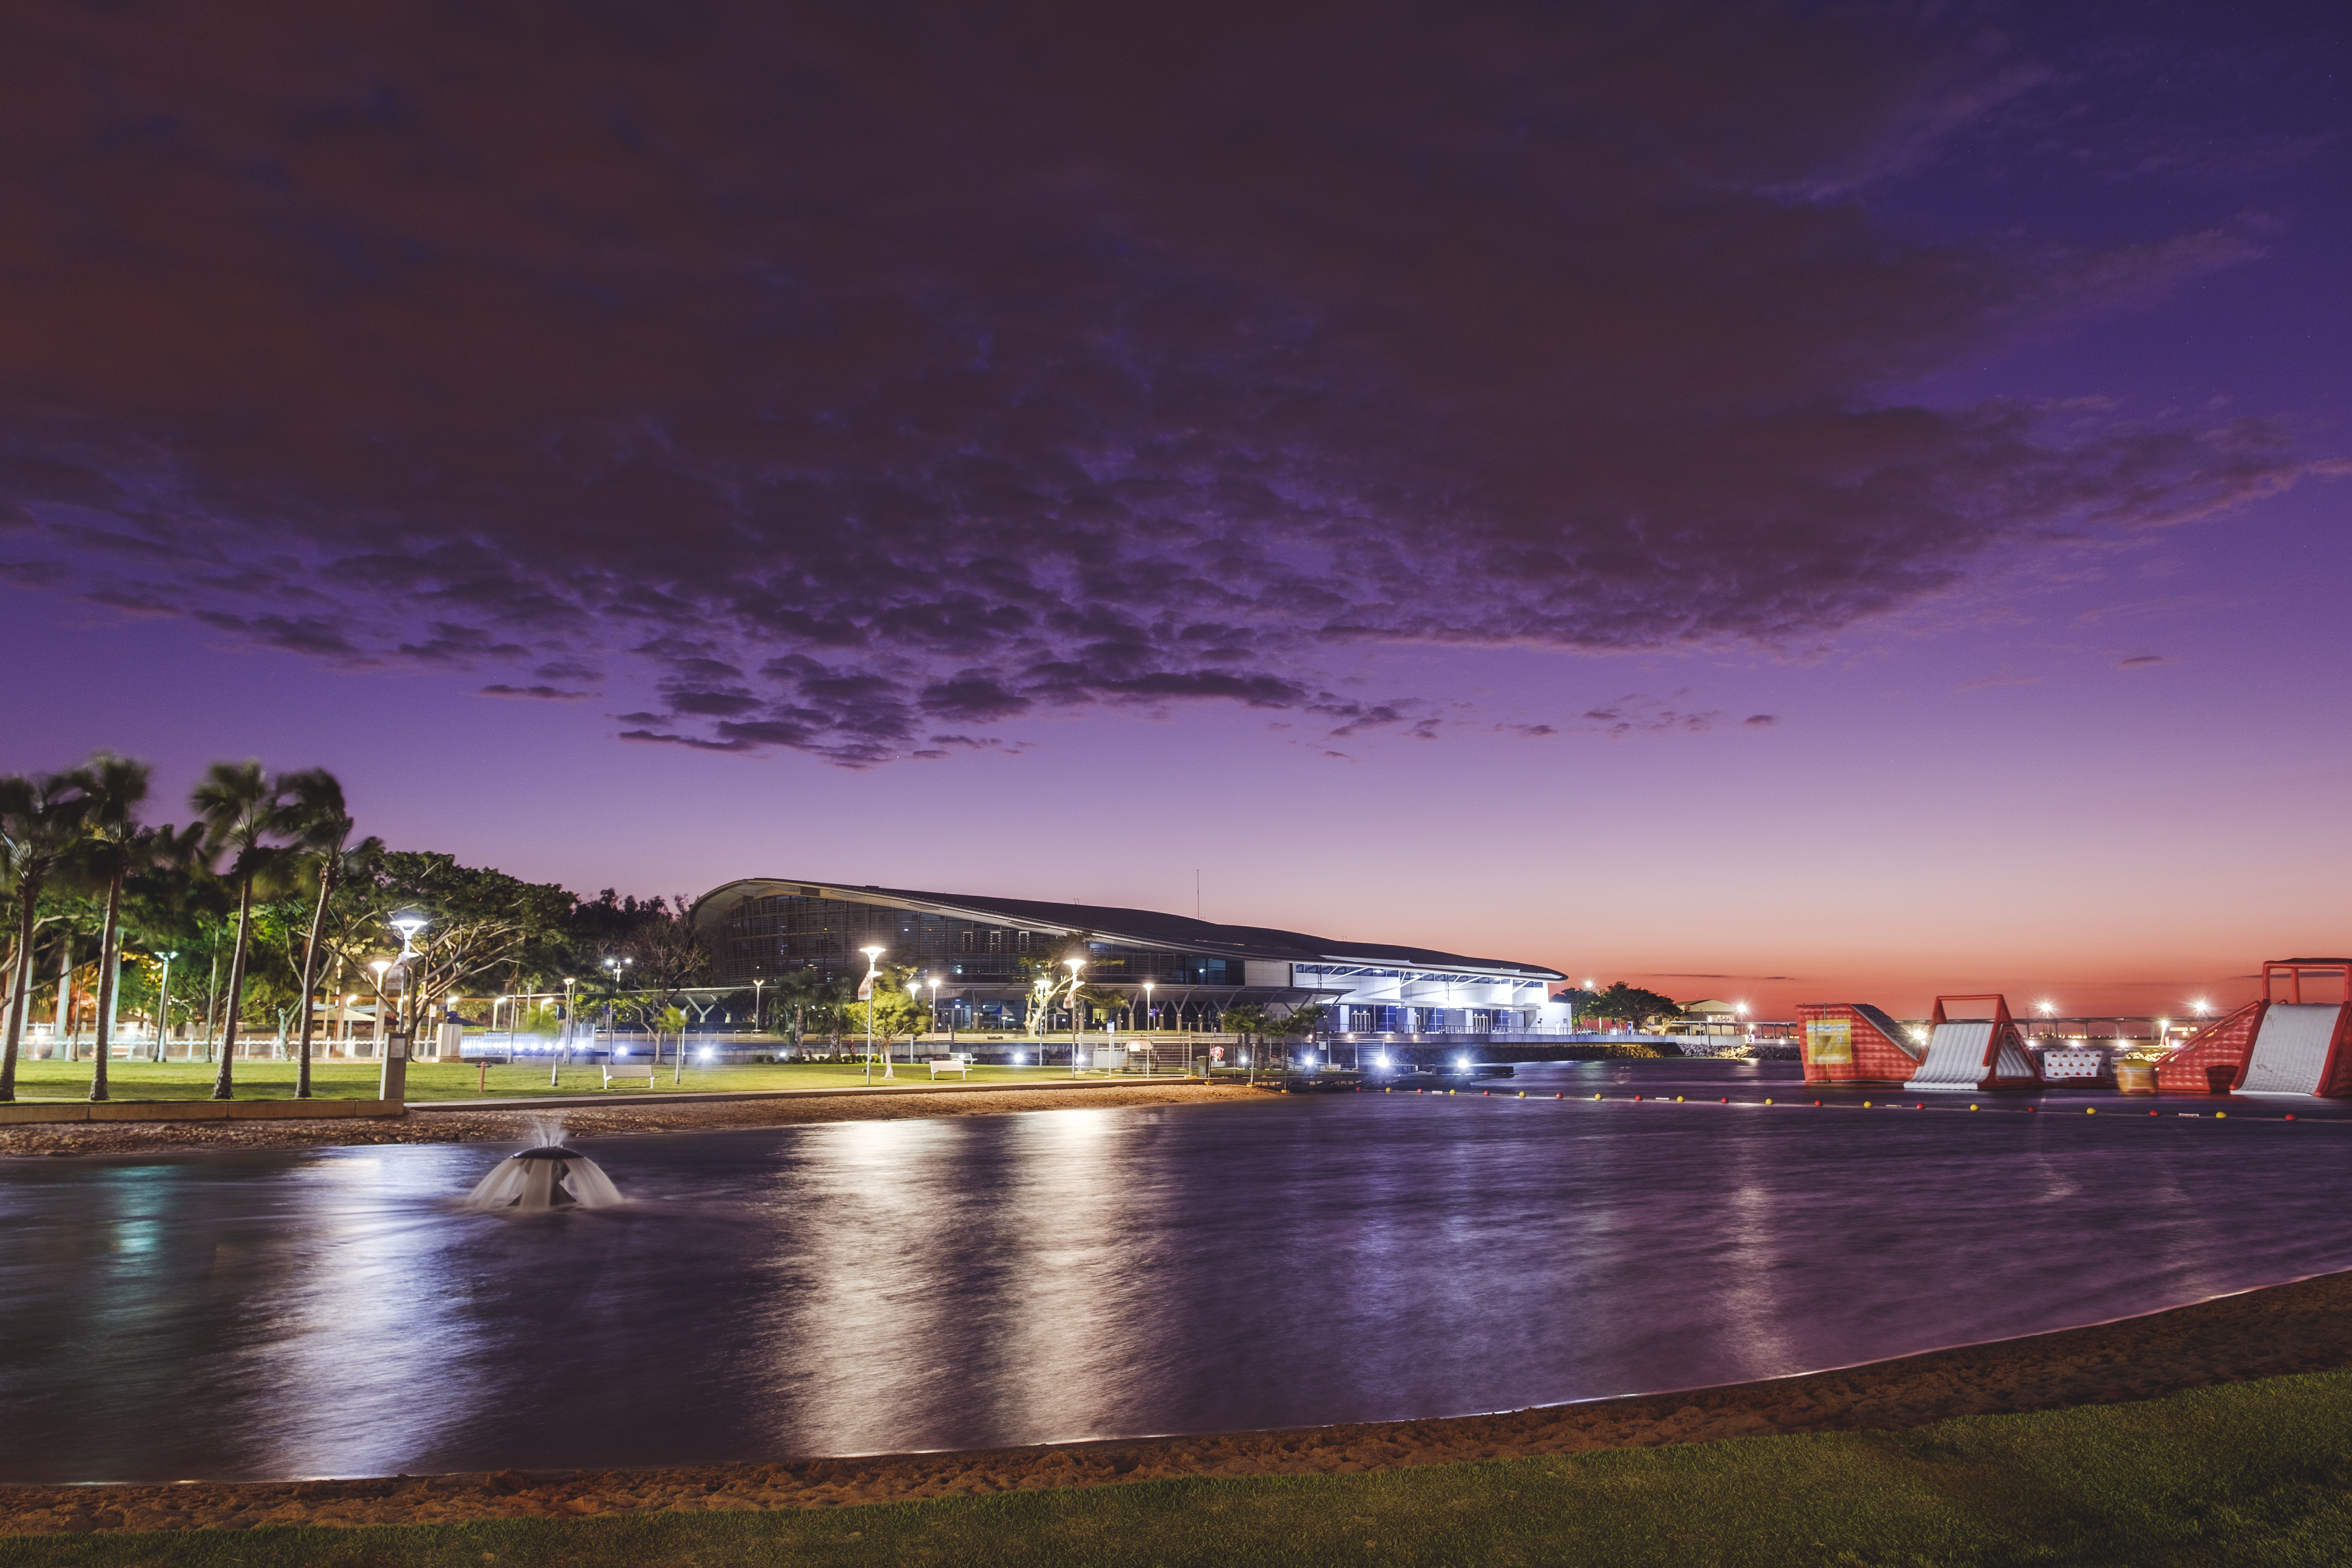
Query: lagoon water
{"points": [[1282, 1260]]}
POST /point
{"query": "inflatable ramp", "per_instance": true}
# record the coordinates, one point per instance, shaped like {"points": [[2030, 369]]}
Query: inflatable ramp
{"points": [[1853, 1042], [2282, 1046], [1971, 1055]]}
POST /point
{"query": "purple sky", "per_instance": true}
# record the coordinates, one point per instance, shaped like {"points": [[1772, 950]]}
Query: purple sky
{"points": [[1778, 502]]}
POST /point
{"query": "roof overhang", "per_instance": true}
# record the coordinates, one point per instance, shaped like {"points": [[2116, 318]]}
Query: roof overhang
{"points": [[1135, 928]]}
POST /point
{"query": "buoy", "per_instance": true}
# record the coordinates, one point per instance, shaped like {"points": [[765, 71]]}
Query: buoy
{"points": [[2152, 1113], [1972, 1108], [1678, 1100], [2090, 1110], [2032, 1109], [1523, 1094], [2290, 1116], [1450, 1091], [1489, 1093], [1817, 1102], [1767, 1102], [1559, 1094], [1725, 1100], [1866, 1105], [1921, 1106], [1596, 1097], [2221, 1115], [1637, 1099]]}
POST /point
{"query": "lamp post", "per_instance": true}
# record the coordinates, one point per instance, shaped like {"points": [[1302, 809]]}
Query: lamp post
{"points": [[866, 994], [1076, 964], [163, 1004], [377, 967], [933, 981], [393, 1082], [756, 985]]}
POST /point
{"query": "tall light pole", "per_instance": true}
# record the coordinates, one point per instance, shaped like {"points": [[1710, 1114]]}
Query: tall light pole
{"points": [[933, 981], [393, 1084], [1076, 964], [866, 994], [164, 1003], [756, 985], [377, 967]]}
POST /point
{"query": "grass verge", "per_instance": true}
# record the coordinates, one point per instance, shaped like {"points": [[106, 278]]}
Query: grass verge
{"points": [[2249, 1474], [427, 1080]]}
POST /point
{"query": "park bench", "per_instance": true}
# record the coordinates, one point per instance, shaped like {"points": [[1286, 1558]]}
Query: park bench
{"points": [[629, 1073], [959, 1064]]}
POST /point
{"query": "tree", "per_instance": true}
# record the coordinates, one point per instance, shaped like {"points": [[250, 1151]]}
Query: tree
{"points": [[895, 1010], [1252, 1022], [1630, 1004], [480, 920], [243, 815], [112, 790], [40, 819], [666, 956], [797, 991], [322, 830]]}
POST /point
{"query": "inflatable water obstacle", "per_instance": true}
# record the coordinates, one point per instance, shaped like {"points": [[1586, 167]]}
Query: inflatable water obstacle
{"points": [[2283, 1044]]}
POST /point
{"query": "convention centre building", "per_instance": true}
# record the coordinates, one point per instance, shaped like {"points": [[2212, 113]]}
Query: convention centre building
{"points": [[982, 951]]}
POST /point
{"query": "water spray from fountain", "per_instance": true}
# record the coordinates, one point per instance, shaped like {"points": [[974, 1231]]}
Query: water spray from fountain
{"points": [[546, 1176]]}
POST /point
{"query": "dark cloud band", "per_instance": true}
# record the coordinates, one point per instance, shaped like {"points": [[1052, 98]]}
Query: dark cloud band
{"points": [[875, 375]]}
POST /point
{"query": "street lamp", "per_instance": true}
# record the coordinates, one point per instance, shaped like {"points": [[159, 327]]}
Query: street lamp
{"points": [[393, 1084], [164, 1003], [866, 994], [1076, 964], [934, 982], [379, 966], [755, 1004]]}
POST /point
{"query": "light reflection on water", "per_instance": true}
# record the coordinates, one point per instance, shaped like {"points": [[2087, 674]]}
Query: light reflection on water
{"points": [[1084, 1273]]}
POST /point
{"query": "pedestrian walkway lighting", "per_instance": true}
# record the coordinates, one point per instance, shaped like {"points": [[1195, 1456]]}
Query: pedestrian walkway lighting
{"points": [[866, 994]]}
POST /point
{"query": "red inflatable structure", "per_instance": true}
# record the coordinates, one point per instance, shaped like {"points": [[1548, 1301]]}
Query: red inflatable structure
{"points": [[1853, 1042], [2280, 1045], [1972, 1055]]}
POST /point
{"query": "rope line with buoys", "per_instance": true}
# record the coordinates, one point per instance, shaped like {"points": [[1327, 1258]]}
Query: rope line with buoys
{"points": [[1866, 1105]]}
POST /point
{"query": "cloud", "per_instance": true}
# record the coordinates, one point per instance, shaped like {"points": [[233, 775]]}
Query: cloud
{"points": [[548, 693], [1761, 720], [847, 372], [2138, 659]]}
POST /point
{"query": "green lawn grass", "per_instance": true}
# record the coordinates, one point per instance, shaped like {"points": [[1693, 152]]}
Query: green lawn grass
{"points": [[2254, 1474], [344, 1079]]}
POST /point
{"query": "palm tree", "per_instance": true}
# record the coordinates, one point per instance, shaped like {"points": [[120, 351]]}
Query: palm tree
{"points": [[242, 812], [112, 789], [322, 829], [39, 821]]}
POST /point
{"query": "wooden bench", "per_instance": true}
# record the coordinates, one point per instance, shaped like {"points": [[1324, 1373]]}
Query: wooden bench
{"points": [[958, 1064], [628, 1074]]}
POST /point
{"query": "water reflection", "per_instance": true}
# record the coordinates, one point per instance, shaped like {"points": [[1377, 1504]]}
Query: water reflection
{"points": [[1084, 1273]]}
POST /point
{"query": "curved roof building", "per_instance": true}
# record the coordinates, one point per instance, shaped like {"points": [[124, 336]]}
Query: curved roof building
{"points": [[981, 950]]}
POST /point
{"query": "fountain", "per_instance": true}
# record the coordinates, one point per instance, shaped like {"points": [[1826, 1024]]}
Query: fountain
{"points": [[547, 1176]]}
